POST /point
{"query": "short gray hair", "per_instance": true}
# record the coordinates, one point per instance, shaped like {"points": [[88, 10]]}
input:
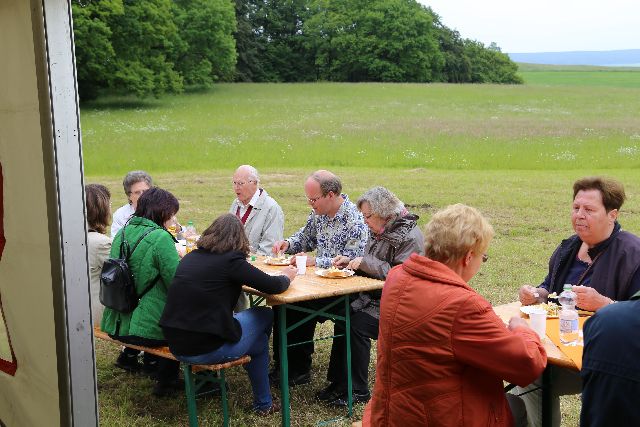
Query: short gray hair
{"points": [[328, 182], [383, 202], [134, 177]]}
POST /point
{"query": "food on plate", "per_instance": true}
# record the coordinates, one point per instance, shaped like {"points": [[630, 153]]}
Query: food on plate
{"points": [[280, 260], [551, 308], [336, 272]]}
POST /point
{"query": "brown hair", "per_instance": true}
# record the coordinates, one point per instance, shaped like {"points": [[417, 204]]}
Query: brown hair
{"points": [[97, 198], [612, 191], [158, 205], [225, 234]]}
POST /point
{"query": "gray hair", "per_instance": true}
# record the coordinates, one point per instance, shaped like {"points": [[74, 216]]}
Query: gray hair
{"points": [[328, 182], [252, 173], [383, 202], [134, 177]]}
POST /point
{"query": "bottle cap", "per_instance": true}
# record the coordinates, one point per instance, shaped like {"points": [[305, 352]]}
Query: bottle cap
{"points": [[567, 287]]}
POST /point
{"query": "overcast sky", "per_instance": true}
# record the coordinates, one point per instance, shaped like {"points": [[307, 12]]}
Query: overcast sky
{"points": [[544, 25]]}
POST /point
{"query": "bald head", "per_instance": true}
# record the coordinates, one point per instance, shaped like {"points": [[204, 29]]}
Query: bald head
{"points": [[328, 182], [249, 172]]}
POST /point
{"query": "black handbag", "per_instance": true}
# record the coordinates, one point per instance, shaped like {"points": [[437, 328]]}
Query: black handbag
{"points": [[117, 286]]}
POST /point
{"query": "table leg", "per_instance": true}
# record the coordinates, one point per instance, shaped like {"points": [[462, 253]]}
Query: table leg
{"points": [[547, 401], [284, 367], [347, 329]]}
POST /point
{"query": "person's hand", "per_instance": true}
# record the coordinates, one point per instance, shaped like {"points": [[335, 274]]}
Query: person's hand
{"points": [[589, 299], [355, 263], [341, 261], [517, 322], [279, 247], [531, 295], [290, 271]]}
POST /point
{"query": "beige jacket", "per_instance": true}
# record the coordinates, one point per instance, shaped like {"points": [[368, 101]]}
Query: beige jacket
{"points": [[265, 224]]}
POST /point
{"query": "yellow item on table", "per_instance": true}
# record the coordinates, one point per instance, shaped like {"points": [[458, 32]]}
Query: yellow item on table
{"points": [[572, 352]]}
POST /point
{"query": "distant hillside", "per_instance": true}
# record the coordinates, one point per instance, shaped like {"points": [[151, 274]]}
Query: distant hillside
{"points": [[526, 67], [629, 57]]}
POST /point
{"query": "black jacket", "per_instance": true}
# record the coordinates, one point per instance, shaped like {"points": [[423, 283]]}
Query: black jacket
{"points": [[610, 370], [198, 317], [615, 272]]}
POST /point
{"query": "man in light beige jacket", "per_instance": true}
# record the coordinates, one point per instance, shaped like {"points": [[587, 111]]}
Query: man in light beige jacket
{"points": [[261, 216]]}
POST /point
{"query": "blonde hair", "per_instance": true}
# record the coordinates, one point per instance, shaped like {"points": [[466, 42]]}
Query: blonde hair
{"points": [[454, 231]]}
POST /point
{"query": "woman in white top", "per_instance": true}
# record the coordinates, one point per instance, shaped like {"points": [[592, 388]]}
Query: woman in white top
{"points": [[98, 201]]}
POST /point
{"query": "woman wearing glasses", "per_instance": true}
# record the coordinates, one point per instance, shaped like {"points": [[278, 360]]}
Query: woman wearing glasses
{"points": [[393, 236], [442, 351]]}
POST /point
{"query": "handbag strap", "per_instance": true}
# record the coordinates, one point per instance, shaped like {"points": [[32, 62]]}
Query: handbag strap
{"points": [[148, 288], [124, 242]]}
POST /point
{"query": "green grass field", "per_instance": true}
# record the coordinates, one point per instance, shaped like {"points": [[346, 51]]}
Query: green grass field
{"points": [[511, 151]]}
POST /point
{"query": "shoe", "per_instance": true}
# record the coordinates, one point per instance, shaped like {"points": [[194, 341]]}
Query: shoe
{"points": [[274, 408], [358, 397], [170, 389], [128, 362], [294, 379], [329, 393]]}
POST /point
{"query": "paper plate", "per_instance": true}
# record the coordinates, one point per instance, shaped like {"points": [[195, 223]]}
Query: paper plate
{"points": [[340, 274], [277, 261]]}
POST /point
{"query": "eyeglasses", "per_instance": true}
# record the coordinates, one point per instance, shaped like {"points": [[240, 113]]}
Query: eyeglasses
{"points": [[315, 199], [241, 183], [485, 257], [138, 192]]}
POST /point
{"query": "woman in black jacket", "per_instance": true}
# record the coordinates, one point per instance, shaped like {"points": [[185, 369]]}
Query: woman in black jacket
{"points": [[198, 320]]}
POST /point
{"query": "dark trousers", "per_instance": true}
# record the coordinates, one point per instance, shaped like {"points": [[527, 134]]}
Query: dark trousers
{"points": [[364, 328], [167, 369], [299, 356]]}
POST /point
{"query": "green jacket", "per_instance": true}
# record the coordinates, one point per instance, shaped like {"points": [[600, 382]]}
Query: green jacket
{"points": [[156, 255]]}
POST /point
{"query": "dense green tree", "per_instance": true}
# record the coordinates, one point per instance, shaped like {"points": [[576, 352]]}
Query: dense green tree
{"points": [[206, 28], [146, 42], [374, 40], [278, 25], [95, 55], [490, 65], [248, 65]]}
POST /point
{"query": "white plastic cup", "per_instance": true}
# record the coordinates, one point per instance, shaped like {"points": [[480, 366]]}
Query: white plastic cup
{"points": [[301, 264], [538, 322]]}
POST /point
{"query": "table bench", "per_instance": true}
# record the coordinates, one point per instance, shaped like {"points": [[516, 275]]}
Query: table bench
{"points": [[192, 383]]}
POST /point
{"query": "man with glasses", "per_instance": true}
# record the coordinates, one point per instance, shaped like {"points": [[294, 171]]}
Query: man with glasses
{"points": [[334, 227], [261, 216], [135, 183]]}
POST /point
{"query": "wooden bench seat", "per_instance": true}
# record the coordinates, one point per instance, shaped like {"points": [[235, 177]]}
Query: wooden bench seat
{"points": [[192, 383]]}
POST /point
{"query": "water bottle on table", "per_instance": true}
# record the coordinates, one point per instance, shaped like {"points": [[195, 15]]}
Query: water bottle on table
{"points": [[568, 316], [190, 236]]}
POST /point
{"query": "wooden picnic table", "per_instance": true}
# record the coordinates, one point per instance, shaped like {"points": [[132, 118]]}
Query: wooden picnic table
{"points": [[310, 287], [555, 357]]}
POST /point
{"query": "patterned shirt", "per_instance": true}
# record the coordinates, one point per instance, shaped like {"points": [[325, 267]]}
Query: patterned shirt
{"points": [[344, 234]]}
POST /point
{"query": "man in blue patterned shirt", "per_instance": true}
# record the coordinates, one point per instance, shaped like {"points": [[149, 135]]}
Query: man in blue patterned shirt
{"points": [[334, 227]]}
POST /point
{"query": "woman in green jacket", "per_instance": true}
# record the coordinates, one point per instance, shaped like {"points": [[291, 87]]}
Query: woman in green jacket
{"points": [[154, 261]]}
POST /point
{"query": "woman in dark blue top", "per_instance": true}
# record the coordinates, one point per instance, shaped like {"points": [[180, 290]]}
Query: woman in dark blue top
{"points": [[198, 319]]}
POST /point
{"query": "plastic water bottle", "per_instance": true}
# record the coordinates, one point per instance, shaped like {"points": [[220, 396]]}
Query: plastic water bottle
{"points": [[568, 316], [190, 236]]}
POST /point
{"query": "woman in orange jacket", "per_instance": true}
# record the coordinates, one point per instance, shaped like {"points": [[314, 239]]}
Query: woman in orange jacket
{"points": [[442, 351]]}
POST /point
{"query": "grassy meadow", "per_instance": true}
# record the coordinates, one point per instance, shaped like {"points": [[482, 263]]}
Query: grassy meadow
{"points": [[511, 151]]}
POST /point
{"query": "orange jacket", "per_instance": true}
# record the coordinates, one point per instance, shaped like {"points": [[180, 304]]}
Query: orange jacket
{"points": [[443, 353]]}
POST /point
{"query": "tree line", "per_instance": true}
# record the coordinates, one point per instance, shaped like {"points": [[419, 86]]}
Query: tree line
{"points": [[151, 47]]}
